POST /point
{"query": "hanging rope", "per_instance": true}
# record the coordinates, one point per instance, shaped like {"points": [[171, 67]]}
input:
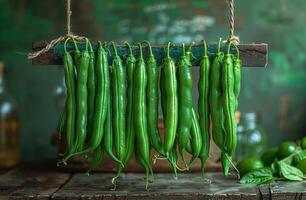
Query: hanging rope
{"points": [[53, 42], [68, 14], [232, 36]]}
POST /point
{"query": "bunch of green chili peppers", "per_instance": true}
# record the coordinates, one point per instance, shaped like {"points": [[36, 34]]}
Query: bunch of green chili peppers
{"points": [[113, 108]]}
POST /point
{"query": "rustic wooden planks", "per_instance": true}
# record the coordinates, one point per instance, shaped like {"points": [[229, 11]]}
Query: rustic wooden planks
{"points": [[131, 186], [39, 182], [288, 190], [31, 182], [252, 55]]}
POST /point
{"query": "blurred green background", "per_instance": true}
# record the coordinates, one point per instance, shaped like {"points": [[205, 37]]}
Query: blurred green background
{"points": [[277, 93]]}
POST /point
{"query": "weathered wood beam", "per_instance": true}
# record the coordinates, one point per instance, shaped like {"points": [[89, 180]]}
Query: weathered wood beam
{"points": [[252, 55]]}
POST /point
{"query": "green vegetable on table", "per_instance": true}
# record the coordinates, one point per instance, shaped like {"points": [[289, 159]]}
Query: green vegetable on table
{"points": [[248, 165], [286, 149], [269, 156], [277, 166]]}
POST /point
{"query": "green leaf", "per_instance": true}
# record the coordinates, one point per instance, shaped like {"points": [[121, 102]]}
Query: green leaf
{"points": [[288, 160], [290, 173], [258, 176]]}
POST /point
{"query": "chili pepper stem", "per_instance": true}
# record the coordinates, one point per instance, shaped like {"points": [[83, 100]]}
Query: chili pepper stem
{"points": [[229, 47], [235, 168], [150, 48], [205, 48], [219, 46], [168, 49], [156, 157], [114, 179], [114, 48], [130, 48], [75, 45], [140, 51]]}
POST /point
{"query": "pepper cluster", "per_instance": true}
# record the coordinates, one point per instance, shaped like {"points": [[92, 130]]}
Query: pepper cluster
{"points": [[113, 109]]}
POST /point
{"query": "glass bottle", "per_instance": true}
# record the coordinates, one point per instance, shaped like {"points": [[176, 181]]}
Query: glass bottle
{"points": [[59, 96], [252, 140], [9, 127]]}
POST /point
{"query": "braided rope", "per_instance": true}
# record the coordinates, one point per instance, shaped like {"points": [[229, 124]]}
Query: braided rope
{"points": [[232, 36], [55, 41]]}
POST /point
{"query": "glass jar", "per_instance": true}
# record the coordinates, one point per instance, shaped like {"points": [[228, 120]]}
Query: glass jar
{"points": [[59, 94], [252, 140], [9, 127]]}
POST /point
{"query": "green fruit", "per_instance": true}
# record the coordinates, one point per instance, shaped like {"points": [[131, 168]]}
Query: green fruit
{"points": [[302, 165], [303, 143], [286, 149], [249, 164], [269, 156]]}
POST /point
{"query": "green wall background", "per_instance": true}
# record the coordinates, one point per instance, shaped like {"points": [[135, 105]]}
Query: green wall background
{"points": [[277, 93]]}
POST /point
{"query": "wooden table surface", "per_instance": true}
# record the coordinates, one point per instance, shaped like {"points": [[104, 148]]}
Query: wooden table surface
{"points": [[41, 182]]}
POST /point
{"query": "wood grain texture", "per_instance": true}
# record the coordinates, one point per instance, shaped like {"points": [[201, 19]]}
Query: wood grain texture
{"points": [[132, 186], [41, 182], [31, 182], [288, 190], [252, 55]]}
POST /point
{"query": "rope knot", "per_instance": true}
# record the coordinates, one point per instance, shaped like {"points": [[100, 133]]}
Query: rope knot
{"points": [[234, 39]]}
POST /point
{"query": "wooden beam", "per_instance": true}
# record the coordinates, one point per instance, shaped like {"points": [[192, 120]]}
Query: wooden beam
{"points": [[252, 55]]}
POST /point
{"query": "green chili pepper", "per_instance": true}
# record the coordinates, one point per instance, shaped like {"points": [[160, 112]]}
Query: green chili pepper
{"points": [[185, 102], [229, 106], [101, 99], [196, 138], [96, 160], [188, 147], [107, 141], [91, 84], [61, 125], [217, 116], [101, 102], [130, 133], [203, 106], [170, 87], [163, 94], [70, 106], [119, 110], [152, 99], [237, 75], [81, 97], [173, 160], [140, 119]]}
